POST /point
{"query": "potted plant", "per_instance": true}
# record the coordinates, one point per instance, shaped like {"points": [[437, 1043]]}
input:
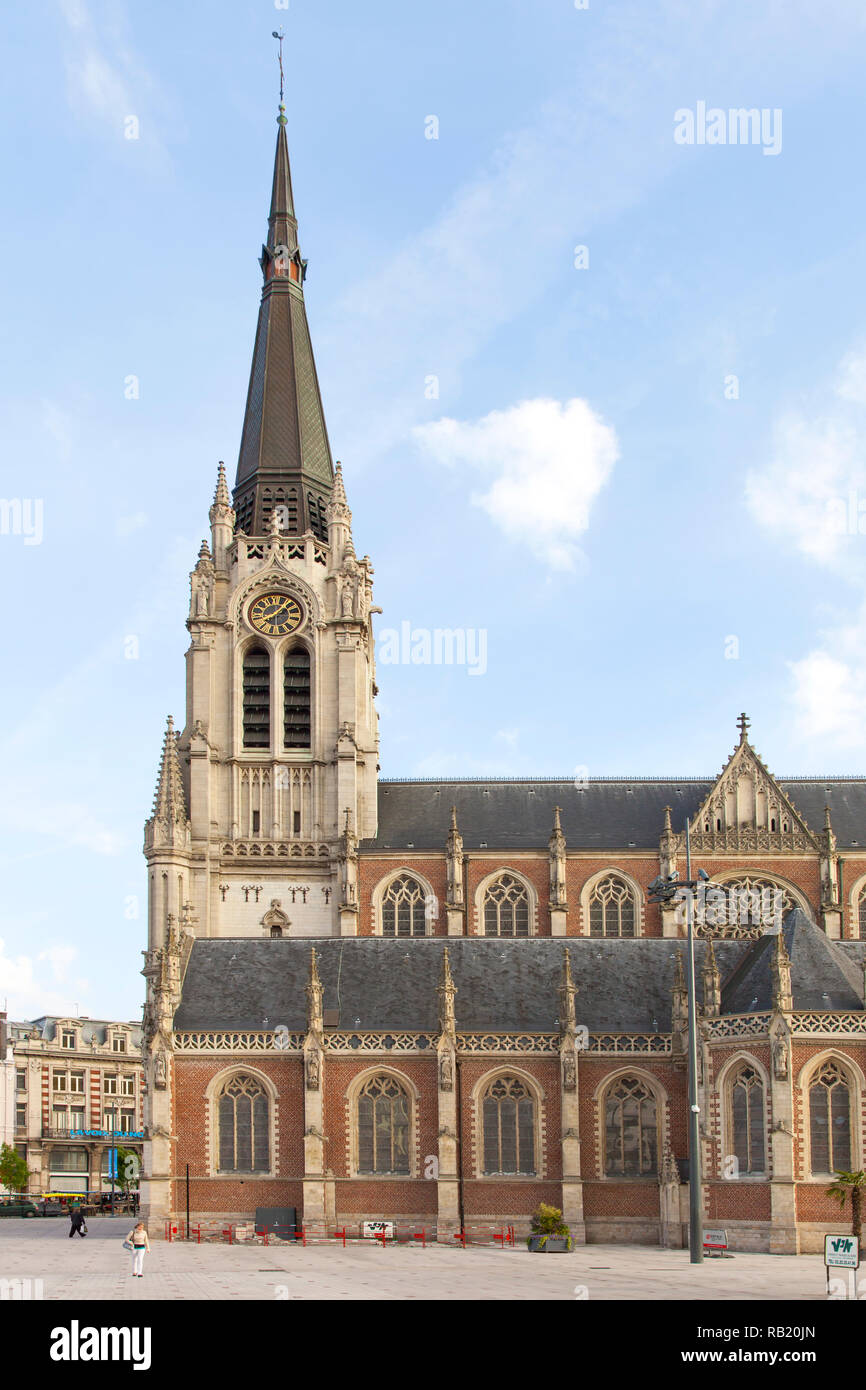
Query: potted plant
{"points": [[550, 1235]]}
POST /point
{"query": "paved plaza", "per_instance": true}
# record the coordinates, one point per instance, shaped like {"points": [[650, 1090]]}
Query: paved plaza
{"points": [[97, 1267]]}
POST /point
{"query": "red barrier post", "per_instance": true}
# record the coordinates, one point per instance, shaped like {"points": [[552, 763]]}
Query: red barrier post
{"points": [[342, 1233], [461, 1236], [422, 1237]]}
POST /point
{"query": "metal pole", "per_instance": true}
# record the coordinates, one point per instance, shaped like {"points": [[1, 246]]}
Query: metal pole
{"points": [[696, 1215], [187, 1202]]}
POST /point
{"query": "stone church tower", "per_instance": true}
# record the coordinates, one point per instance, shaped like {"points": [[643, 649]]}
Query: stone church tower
{"points": [[263, 796]]}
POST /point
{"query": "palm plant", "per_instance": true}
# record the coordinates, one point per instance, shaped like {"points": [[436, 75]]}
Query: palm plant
{"points": [[853, 1184]]}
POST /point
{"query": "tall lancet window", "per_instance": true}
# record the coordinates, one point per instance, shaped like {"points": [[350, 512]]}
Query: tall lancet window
{"points": [[830, 1120], [257, 698], [296, 699]]}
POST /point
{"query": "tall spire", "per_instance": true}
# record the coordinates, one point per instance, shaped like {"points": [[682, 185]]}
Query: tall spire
{"points": [[169, 803], [285, 457]]}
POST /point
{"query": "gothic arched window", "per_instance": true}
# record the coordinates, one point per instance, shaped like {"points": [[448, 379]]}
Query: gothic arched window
{"points": [[830, 1120], [296, 699], [383, 1127], [612, 908], [506, 908], [403, 908], [243, 1119], [861, 915], [742, 907], [257, 698], [630, 1130], [747, 1120], [508, 1125]]}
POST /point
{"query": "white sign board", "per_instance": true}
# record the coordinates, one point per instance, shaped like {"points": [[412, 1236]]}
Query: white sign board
{"points": [[716, 1238], [842, 1251], [371, 1229]]}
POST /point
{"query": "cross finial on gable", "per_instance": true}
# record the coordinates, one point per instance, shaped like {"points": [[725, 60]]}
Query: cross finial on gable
{"points": [[743, 725]]}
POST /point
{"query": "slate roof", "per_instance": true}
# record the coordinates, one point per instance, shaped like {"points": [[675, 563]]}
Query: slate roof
{"points": [[608, 814], [502, 986], [284, 442], [822, 976], [92, 1029]]}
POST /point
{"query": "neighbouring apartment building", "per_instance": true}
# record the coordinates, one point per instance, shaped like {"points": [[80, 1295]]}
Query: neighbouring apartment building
{"points": [[443, 1002], [72, 1092]]}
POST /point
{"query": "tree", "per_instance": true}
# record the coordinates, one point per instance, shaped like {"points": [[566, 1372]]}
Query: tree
{"points": [[13, 1170], [853, 1183], [128, 1168]]}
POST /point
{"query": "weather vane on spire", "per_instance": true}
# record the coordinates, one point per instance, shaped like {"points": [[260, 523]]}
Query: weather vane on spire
{"points": [[279, 36]]}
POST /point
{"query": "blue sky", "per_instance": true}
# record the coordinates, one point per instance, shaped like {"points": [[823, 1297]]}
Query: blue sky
{"points": [[648, 546]]}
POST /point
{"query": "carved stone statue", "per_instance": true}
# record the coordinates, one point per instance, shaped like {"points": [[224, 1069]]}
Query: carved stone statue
{"points": [[160, 1071], [201, 600], [348, 588], [313, 1069], [780, 1059], [569, 1072], [446, 1072]]}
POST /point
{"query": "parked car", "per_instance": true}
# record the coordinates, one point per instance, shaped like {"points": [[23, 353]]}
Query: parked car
{"points": [[17, 1206], [52, 1207]]}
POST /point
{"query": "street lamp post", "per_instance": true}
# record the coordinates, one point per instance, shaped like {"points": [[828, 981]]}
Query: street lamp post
{"points": [[696, 1214], [663, 890]]}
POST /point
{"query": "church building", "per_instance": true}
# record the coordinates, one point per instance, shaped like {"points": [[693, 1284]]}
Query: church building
{"points": [[440, 1003]]}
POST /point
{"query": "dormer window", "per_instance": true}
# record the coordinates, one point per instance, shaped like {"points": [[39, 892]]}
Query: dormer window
{"points": [[67, 1037], [118, 1043]]}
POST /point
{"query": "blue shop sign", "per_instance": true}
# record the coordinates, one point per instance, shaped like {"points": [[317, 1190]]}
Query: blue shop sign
{"points": [[106, 1134]]}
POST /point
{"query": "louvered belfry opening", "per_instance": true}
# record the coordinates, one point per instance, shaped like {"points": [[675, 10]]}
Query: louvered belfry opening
{"points": [[257, 698], [296, 699], [316, 511]]}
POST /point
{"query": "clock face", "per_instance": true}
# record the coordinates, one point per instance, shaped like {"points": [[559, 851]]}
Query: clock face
{"points": [[275, 614]]}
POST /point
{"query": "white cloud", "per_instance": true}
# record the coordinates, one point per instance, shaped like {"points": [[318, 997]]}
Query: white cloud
{"points": [[28, 993], [811, 490], [69, 823], [106, 81], [829, 687], [812, 493], [851, 383], [542, 464]]}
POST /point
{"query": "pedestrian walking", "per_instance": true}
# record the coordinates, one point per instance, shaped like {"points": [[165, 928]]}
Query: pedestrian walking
{"points": [[76, 1222], [138, 1242]]}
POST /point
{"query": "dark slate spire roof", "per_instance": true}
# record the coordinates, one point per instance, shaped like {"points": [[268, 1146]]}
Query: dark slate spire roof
{"points": [[822, 976], [602, 813], [285, 458]]}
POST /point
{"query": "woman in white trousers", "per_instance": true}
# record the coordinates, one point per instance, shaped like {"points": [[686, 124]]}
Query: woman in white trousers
{"points": [[140, 1244]]}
